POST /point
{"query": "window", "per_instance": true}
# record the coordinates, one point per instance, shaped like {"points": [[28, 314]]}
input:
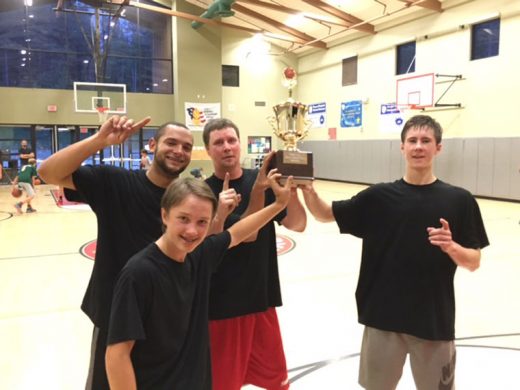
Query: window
{"points": [[485, 38], [230, 76], [405, 61], [349, 71], [43, 48], [258, 144]]}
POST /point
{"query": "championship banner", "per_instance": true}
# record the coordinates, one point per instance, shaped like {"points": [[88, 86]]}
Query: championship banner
{"points": [[197, 114]]}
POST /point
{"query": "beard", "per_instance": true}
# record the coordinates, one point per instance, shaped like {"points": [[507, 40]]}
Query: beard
{"points": [[170, 172]]}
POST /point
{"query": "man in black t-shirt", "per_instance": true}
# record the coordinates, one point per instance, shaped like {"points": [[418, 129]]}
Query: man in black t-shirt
{"points": [[127, 208], [25, 153], [416, 231], [158, 334], [246, 345]]}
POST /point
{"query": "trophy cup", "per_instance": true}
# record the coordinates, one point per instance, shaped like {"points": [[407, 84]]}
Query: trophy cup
{"points": [[290, 125]]}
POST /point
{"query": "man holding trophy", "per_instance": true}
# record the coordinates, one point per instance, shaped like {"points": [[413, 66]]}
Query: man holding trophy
{"points": [[291, 125], [245, 339]]}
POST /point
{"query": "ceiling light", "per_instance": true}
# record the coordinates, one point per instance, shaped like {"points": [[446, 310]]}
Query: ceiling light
{"points": [[295, 21], [28, 3], [23, 51]]}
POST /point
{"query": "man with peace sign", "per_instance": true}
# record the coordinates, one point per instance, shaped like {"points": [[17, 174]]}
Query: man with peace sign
{"points": [[246, 345], [127, 207]]}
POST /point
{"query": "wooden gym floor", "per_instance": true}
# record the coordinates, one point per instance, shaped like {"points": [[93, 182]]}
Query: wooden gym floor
{"points": [[45, 338]]}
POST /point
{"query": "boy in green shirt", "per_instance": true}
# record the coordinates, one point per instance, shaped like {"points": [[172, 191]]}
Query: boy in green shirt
{"points": [[25, 181]]}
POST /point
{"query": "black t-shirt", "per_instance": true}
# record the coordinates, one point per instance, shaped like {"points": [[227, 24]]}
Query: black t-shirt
{"points": [[127, 207], [405, 283], [163, 305], [247, 281], [27, 150]]}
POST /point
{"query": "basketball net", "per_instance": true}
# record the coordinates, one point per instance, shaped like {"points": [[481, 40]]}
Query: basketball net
{"points": [[407, 109], [102, 114]]}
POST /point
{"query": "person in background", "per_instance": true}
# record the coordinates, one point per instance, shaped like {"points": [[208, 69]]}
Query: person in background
{"points": [[145, 162], [416, 232], [26, 181], [198, 173], [25, 153]]}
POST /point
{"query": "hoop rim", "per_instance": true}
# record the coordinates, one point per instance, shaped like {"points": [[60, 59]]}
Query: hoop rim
{"points": [[102, 113]]}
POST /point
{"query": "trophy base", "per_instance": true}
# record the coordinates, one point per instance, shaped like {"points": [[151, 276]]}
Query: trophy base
{"points": [[297, 180], [294, 163]]}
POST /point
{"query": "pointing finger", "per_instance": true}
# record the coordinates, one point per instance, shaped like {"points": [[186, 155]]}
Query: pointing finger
{"points": [[141, 123], [445, 224], [225, 185]]}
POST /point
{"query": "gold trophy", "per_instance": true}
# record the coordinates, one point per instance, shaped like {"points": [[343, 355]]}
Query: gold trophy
{"points": [[291, 125]]}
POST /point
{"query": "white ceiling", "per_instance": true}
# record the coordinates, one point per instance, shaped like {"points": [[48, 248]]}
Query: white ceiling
{"points": [[308, 25]]}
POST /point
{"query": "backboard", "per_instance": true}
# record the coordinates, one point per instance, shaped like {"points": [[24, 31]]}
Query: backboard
{"points": [[91, 97], [415, 91]]}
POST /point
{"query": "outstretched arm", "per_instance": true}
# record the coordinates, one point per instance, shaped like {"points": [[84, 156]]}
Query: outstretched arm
{"points": [[296, 218], [58, 168], [120, 371], [257, 196], [320, 209], [468, 258], [246, 226]]}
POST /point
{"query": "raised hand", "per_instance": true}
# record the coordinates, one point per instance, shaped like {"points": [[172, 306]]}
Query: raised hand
{"points": [[261, 179], [282, 193], [116, 129], [228, 199], [441, 237]]}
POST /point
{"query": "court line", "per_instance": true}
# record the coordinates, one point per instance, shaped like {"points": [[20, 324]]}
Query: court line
{"points": [[4, 218], [41, 255], [315, 366]]}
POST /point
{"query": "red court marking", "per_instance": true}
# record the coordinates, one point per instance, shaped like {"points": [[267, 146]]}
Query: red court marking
{"points": [[284, 245], [63, 201]]}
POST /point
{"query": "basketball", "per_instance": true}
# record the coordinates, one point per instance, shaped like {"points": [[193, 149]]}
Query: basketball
{"points": [[16, 192], [289, 73]]}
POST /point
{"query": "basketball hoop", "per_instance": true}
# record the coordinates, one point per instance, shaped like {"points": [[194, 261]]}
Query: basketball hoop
{"points": [[102, 113]]}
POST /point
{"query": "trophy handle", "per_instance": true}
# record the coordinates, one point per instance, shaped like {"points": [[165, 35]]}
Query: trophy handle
{"points": [[274, 124]]}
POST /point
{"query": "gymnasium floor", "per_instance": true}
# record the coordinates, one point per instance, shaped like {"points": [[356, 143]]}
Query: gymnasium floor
{"points": [[45, 338]]}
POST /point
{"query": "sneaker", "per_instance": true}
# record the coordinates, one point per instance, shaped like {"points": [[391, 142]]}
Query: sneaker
{"points": [[30, 210], [18, 207]]}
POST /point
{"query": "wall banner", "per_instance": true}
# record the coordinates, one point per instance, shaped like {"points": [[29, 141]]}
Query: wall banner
{"points": [[391, 118], [197, 114], [317, 114], [351, 114]]}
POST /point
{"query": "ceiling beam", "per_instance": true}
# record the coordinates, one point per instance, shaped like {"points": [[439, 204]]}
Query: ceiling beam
{"points": [[274, 7], [322, 19], [280, 26], [214, 22], [430, 4], [350, 19]]}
